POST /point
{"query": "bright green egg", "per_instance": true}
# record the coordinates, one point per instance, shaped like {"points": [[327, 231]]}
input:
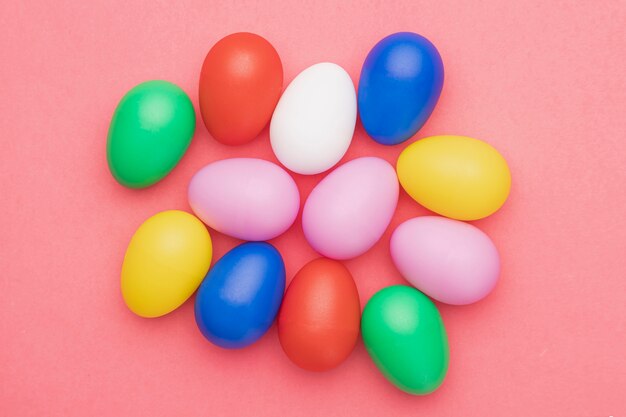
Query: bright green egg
{"points": [[405, 336], [149, 133]]}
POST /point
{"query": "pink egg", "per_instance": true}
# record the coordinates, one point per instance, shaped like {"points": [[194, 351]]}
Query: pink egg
{"points": [[247, 198], [449, 260], [350, 209]]}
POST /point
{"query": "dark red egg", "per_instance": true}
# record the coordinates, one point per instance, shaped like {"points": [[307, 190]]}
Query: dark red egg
{"points": [[240, 84], [318, 324]]}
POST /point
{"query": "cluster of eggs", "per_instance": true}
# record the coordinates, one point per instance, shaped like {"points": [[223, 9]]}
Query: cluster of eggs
{"points": [[311, 127]]}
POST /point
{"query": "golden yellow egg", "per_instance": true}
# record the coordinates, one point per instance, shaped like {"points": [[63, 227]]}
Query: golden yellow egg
{"points": [[166, 260], [455, 176]]}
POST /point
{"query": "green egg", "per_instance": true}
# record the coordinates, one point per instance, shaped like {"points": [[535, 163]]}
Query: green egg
{"points": [[405, 336], [149, 133]]}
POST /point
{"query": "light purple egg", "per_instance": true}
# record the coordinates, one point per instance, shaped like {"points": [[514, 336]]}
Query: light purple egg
{"points": [[448, 260], [350, 209], [247, 198]]}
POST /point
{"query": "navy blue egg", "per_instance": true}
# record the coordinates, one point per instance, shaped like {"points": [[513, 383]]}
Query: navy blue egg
{"points": [[239, 298], [400, 84]]}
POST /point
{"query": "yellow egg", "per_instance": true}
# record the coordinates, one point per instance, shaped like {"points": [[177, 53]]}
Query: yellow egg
{"points": [[455, 176], [166, 260]]}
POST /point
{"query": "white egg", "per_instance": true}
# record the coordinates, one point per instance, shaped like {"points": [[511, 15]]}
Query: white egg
{"points": [[313, 123]]}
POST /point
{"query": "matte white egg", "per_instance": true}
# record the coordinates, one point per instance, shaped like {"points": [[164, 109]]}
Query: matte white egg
{"points": [[313, 123]]}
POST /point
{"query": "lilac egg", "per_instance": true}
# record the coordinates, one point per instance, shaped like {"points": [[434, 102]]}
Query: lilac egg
{"points": [[448, 260], [350, 209], [247, 198]]}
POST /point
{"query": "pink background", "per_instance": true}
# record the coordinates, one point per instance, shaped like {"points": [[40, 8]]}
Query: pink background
{"points": [[543, 81]]}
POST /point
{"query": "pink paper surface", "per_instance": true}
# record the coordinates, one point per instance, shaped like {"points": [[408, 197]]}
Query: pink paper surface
{"points": [[543, 81]]}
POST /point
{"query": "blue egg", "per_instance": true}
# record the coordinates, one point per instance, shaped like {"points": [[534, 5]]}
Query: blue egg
{"points": [[239, 298], [400, 84]]}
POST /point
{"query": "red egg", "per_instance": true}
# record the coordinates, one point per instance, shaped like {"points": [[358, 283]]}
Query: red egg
{"points": [[240, 84], [318, 324]]}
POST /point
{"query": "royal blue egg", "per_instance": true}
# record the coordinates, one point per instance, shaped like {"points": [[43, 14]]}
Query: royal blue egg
{"points": [[400, 84], [239, 298]]}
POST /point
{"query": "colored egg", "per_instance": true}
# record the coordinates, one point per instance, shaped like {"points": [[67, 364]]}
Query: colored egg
{"points": [[247, 198], [167, 258], [318, 323], [400, 84], [149, 133], [350, 209], [455, 176], [240, 84], [240, 297], [314, 120], [449, 260], [405, 337]]}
